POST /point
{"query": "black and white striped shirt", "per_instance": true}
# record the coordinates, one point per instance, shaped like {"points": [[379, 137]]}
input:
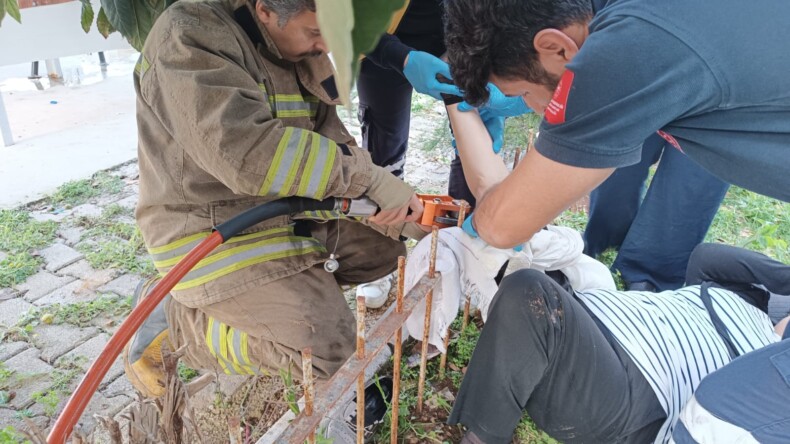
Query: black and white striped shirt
{"points": [[672, 340]]}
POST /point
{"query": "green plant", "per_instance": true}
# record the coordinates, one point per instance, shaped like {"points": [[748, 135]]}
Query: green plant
{"points": [[16, 268], [124, 254], [186, 373], [9, 435], [291, 390], [19, 232], [49, 400], [77, 192]]}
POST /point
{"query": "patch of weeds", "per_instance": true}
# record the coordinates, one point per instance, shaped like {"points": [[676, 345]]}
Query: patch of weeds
{"points": [[49, 400], [19, 232], [128, 255], [77, 192], [528, 432], [80, 314], [438, 140], [26, 413], [291, 390], [517, 131], [186, 373], [572, 219], [17, 267], [5, 382], [9, 435]]}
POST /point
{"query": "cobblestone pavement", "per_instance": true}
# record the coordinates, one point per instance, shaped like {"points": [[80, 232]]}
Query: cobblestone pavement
{"points": [[55, 322]]}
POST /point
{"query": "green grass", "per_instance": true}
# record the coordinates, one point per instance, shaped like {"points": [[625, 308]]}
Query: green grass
{"points": [[186, 373], [80, 314], [752, 221], [77, 192], [119, 253], [20, 235], [10, 436]]}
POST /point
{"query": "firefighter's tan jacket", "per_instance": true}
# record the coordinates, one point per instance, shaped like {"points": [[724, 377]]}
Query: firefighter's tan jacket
{"points": [[226, 124]]}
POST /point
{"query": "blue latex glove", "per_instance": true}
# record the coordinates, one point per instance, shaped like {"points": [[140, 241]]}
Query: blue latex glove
{"points": [[499, 104], [421, 70], [470, 230]]}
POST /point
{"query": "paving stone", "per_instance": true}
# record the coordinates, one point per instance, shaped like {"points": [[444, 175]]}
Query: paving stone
{"points": [[128, 202], [123, 285], [76, 291], [41, 284], [12, 310], [86, 210], [71, 235], [90, 349], [59, 255], [8, 293], [92, 277], [31, 375], [46, 216], [121, 386], [3, 256], [57, 340], [9, 349], [104, 406], [10, 417]]}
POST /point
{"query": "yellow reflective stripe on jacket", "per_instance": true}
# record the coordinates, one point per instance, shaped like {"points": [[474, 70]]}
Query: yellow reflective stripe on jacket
{"points": [[238, 351], [289, 152], [235, 259], [322, 156], [293, 105], [169, 255]]}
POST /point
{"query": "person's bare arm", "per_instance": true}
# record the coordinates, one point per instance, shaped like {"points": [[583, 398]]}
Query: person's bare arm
{"points": [[531, 197], [482, 167]]}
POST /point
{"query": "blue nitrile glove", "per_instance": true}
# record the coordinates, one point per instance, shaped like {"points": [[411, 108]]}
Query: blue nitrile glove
{"points": [[421, 70], [496, 128], [499, 104], [470, 230]]}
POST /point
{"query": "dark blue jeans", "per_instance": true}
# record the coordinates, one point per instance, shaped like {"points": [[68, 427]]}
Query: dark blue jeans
{"points": [[655, 234], [385, 114]]}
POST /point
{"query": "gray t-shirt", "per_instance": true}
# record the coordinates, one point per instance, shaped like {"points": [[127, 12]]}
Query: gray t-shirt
{"points": [[711, 78]]}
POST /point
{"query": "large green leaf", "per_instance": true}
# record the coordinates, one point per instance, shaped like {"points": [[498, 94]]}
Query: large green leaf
{"points": [[350, 29], [12, 8], [87, 15], [336, 19], [134, 18], [103, 24]]}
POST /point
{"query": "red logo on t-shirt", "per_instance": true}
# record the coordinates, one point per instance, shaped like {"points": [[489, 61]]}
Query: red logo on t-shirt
{"points": [[672, 141], [555, 111]]}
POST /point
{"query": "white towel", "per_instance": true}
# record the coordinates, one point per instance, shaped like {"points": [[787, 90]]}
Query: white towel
{"points": [[468, 266]]}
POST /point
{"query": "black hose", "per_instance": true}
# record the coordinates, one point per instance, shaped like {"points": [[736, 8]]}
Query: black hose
{"points": [[268, 210]]}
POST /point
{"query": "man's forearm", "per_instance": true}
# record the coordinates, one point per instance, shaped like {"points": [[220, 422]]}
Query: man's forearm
{"points": [[483, 168], [530, 198]]}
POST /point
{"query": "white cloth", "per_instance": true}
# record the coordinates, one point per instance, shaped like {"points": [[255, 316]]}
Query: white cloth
{"points": [[468, 266]]}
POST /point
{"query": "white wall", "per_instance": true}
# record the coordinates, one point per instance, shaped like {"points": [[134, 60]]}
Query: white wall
{"points": [[49, 32]]}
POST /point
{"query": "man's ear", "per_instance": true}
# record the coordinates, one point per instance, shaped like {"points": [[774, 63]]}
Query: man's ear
{"points": [[264, 15], [555, 49]]}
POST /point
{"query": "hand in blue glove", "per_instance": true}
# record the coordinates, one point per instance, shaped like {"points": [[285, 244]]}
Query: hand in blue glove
{"points": [[499, 104], [469, 229], [421, 70]]}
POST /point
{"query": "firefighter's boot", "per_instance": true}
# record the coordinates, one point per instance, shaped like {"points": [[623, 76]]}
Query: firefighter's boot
{"points": [[142, 356]]}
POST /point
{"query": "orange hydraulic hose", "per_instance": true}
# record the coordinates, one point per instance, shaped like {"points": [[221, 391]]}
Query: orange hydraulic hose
{"points": [[82, 396]]}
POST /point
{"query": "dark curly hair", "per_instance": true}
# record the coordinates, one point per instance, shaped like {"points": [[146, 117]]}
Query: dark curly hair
{"points": [[487, 37]]}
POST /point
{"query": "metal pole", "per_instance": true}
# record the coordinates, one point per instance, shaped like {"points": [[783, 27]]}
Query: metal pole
{"points": [[427, 325], [5, 127], [396, 355]]}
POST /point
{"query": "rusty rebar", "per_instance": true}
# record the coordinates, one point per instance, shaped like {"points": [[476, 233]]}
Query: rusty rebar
{"points": [[396, 354], [531, 139], [309, 388], [361, 378], [443, 359], [343, 380], [467, 306], [427, 325]]}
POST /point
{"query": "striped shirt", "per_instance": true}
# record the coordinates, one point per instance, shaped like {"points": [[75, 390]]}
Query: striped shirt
{"points": [[672, 340]]}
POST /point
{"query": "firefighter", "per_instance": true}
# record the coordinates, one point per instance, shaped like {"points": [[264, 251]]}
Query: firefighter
{"points": [[236, 107]]}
